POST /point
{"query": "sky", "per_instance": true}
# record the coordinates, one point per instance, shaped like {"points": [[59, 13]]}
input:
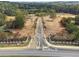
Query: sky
{"points": [[37, 0]]}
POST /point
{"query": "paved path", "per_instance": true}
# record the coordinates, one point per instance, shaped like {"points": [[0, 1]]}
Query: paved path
{"points": [[39, 34]]}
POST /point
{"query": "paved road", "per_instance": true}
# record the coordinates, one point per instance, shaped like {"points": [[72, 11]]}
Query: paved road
{"points": [[46, 52], [39, 34], [41, 43]]}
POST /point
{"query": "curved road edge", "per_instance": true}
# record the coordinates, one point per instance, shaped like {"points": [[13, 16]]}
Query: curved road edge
{"points": [[61, 47]]}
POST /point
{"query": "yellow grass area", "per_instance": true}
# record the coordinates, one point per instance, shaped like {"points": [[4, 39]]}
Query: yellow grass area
{"points": [[54, 26], [10, 18], [66, 15]]}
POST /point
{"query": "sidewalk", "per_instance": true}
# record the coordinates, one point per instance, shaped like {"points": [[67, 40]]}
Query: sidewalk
{"points": [[13, 48], [31, 45], [66, 47]]}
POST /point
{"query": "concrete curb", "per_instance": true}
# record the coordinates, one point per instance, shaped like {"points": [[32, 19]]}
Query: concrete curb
{"points": [[13, 48], [61, 47]]}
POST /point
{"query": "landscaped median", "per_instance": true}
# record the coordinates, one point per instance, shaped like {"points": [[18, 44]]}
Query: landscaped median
{"points": [[14, 48], [24, 45], [61, 46]]}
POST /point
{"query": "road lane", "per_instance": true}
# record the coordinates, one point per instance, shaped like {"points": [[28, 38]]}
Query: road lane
{"points": [[46, 52]]}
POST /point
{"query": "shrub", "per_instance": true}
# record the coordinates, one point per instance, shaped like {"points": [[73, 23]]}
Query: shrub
{"points": [[77, 20], [71, 28]]}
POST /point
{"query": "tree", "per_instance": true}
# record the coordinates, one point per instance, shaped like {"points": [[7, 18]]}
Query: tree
{"points": [[52, 13], [77, 20], [66, 21], [76, 35], [2, 19], [71, 28], [19, 21], [9, 12]]}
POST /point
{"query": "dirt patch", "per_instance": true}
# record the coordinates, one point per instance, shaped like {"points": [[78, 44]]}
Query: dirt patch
{"points": [[28, 29], [55, 27]]}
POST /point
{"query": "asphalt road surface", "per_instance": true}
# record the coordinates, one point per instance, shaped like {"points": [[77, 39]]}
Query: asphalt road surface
{"points": [[37, 52]]}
